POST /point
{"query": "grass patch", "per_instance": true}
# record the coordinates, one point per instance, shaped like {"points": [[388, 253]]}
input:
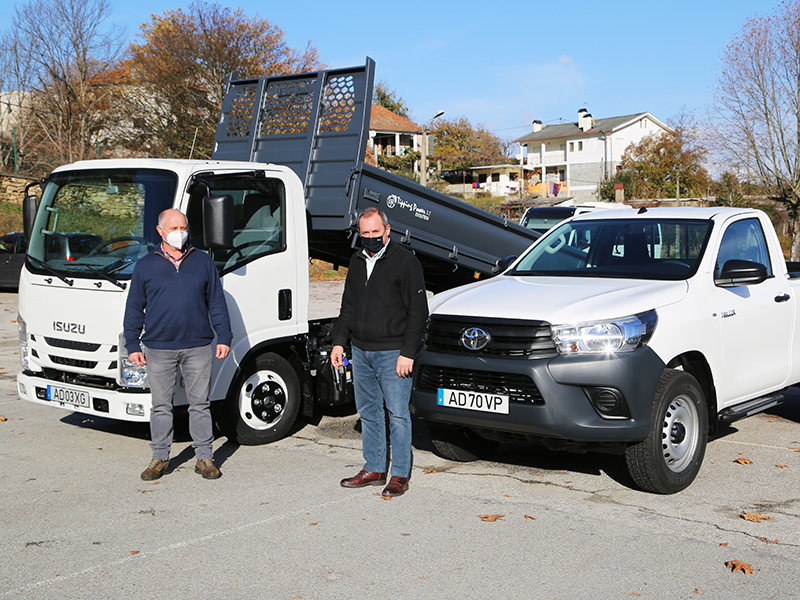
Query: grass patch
{"points": [[10, 218]]}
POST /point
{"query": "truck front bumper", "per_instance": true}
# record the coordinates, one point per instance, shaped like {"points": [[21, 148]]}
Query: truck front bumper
{"points": [[584, 399], [113, 404]]}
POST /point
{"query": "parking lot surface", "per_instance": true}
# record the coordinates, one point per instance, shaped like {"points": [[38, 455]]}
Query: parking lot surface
{"points": [[77, 521]]}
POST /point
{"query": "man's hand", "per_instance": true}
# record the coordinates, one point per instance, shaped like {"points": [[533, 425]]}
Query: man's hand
{"points": [[223, 350], [336, 356], [404, 366], [137, 358]]}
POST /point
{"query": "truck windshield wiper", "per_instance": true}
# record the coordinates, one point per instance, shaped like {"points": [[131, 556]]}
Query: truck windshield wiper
{"points": [[102, 273], [50, 270]]}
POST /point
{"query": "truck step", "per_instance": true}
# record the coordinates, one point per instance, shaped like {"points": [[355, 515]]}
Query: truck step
{"points": [[751, 407]]}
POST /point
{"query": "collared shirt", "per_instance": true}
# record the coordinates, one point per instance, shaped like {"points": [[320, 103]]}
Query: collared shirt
{"points": [[175, 261], [371, 260]]}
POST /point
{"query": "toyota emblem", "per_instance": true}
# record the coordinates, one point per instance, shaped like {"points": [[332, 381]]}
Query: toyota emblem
{"points": [[474, 338]]}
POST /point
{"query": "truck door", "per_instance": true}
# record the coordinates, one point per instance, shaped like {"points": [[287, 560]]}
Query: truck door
{"points": [[754, 319]]}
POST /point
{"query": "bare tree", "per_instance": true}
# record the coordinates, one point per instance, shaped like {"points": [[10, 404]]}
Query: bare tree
{"points": [[62, 50], [758, 107]]}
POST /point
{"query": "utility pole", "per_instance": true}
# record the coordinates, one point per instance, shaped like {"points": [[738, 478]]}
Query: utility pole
{"points": [[423, 161]]}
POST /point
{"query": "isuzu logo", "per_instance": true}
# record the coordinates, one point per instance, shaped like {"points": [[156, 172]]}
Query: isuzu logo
{"points": [[474, 338], [69, 327]]}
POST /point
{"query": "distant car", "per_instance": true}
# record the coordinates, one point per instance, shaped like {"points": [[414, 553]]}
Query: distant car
{"points": [[12, 257], [544, 218]]}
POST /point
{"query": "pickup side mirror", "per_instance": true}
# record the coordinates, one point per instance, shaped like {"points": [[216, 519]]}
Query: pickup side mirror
{"points": [[28, 214], [504, 263], [741, 272], [218, 222]]}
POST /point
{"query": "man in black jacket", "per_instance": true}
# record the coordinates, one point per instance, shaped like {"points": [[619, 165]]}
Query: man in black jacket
{"points": [[384, 309]]}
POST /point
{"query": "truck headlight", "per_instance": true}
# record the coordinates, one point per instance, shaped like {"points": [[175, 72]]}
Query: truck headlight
{"points": [[24, 356], [605, 337], [129, 374]]}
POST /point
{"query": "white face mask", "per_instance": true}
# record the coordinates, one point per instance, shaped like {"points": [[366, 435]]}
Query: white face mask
{"points": [[177, 238]]}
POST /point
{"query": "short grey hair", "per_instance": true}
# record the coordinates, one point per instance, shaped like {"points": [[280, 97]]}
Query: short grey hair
{"points": [[372, 210]]}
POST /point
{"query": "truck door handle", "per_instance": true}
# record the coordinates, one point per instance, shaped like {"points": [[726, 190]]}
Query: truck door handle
{"points": [[782, 298], [284, 305]]}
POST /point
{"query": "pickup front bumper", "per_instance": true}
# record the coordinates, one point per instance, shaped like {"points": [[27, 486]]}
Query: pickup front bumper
{"points": [[583, 399]]}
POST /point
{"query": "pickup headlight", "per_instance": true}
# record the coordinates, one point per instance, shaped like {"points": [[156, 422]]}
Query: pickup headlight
{"points": [[605, 337], [129, 374]]}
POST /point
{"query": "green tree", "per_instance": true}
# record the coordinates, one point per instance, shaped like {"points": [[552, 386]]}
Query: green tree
{"points": [[757, 112], [183, 62], [668, 164], [460, 145], [384, 96]]}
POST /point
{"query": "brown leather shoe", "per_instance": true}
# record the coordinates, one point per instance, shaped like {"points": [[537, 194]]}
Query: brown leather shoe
{"points": [[207, 469], [397, 487], [156, 469], [363, 479]]}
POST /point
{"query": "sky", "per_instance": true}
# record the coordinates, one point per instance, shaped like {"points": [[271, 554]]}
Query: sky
{"points": [[504, 65]]}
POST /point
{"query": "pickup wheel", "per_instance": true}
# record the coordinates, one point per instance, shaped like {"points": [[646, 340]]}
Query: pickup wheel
{"points": [[459, 443], [670, 458], [266, 401]]}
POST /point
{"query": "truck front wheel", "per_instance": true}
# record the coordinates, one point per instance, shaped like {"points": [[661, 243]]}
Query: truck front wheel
{"points": [[670, 458], [459, 443], [266, 402]]}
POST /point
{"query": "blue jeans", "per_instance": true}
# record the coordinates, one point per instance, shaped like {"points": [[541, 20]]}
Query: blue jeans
{"points": [[162, 377], [379, 391]]}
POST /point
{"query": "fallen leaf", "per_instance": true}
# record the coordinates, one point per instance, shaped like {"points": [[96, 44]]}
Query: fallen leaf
{"points": [[263, 503], [313, 524], [567, 482], [133, 552], [154, 483], [723, 544], [490, 518], [429, 471], [538, 475], [506, 496], [755, 517], [530, 517], [743, 461], [385, 497], [634, 594], [3, 419], [737, 565], [781, 466], [766, 541], [338, 438]]}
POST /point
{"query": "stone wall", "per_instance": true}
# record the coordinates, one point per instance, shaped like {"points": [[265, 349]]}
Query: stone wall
{"points": [[12, 188]]}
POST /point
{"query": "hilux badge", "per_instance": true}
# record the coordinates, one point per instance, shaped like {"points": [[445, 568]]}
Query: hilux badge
{"points": [[474, 338]]}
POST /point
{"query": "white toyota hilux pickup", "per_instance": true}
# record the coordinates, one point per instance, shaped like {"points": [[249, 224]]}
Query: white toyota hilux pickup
{"points": [[637, 332]]}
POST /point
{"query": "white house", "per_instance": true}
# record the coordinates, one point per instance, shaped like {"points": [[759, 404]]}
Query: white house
{"points": [[390, 134], [578, 156]]}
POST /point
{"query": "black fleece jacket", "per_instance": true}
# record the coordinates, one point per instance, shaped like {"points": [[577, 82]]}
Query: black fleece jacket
{"points": [[388, 311]]}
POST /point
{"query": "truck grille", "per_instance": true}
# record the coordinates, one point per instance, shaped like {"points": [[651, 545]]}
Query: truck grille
{"points": [[519, 388], [509, 338], [73, 362], [72, 344]]}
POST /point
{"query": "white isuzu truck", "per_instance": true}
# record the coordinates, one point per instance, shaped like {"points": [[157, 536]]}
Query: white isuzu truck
{"points": [[637, 332], [285, 184]]}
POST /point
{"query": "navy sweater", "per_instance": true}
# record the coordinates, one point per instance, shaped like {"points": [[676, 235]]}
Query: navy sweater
{"points": [[169, 307]]}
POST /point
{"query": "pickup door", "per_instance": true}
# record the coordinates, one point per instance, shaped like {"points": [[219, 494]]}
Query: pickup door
{"points": [[755, 320]]}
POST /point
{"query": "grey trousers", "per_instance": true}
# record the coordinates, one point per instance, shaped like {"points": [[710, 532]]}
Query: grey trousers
{"points": [[162, 376]]}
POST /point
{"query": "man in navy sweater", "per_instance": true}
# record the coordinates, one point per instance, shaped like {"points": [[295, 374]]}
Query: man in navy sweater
{"points": [[384, 309], [174, 292]]}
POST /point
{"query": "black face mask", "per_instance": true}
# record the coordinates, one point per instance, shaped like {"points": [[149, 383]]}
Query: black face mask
{"points": [[373, 245]]}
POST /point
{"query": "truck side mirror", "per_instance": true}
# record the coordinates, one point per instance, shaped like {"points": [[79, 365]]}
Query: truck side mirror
{"points": [[28, 214], [504, 263], [218, 222], [737, 272]]}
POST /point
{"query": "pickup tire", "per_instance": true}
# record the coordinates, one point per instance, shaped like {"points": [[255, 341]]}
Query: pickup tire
{"points": [[265, 401], [670, 458], [459, 443]]}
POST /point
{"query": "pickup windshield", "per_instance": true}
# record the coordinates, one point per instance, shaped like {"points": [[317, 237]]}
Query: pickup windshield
{"points": [[620, 248], [99, 221]]}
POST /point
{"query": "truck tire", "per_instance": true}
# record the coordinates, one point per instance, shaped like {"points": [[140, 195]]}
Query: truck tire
{"points": [[670, 458], [266, 401], [459, 443]]}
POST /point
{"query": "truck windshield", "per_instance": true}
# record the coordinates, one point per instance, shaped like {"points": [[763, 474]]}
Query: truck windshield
{"points": [[542, 219], [622, 248], [99, 220]]}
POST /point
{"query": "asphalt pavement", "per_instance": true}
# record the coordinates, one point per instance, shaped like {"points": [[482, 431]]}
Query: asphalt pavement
{"points": [[77, 521]]}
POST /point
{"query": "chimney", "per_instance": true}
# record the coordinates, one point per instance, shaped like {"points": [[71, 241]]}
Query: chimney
{"points": [[585, 121], [537, 126]]}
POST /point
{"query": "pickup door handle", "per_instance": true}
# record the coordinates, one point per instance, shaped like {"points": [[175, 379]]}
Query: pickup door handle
{"points": [[782, 298]]}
